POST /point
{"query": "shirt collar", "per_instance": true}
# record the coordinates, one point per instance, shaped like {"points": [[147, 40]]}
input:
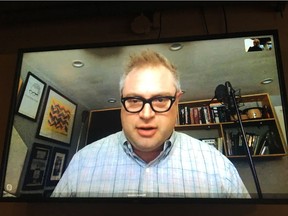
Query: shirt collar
{"points": [[127, 147]]}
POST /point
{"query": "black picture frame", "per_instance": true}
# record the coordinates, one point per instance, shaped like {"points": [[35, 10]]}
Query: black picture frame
{"points": [[57, 166], [57, 121], [37, 167], [31, 97]]}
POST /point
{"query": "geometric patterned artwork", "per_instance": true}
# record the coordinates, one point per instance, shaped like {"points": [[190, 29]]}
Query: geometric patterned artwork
{"points": [[59, 117]]}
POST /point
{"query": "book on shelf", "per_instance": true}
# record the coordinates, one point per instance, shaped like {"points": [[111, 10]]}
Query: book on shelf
{"points": [[215, 142], [187, 119], [206, 114], [224, 115], [236, 143], [181, 115], [196, 115], [184, 115], [219, 112], [192, 115], [264, 150], [228, 139], [220, 144], [215, 114], [269, 144]]}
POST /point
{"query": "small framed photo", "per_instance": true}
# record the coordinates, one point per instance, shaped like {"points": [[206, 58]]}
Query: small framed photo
{"points": [[57, 166], [31, 97], [37, 167], [58, 118]]}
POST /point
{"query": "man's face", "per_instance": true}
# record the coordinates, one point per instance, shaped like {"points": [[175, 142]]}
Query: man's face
{"points": [[148, 130]]}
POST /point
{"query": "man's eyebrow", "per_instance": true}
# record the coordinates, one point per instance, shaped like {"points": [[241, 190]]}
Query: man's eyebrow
{"points": [[153, 95]]}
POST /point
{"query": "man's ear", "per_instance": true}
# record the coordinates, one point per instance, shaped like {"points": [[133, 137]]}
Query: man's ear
{"points": [[179, 95]]}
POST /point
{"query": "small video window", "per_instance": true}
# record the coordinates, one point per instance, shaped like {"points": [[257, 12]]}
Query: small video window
{"points": [[258, 44]]}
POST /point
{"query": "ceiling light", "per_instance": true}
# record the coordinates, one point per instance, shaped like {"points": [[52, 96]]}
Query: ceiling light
{"points": [[176, 46], [111, 100], [77, 64], [267, 81]]}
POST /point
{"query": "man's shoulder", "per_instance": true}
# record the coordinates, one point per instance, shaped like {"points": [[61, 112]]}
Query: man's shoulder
{"points": [[188, 145], [185, 141]]}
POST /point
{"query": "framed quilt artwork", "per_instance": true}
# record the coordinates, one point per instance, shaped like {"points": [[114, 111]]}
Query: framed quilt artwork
{"points": [[58, 118]]}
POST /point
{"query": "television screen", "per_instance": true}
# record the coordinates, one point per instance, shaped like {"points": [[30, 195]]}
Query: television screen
{"points": [[67, 100]]}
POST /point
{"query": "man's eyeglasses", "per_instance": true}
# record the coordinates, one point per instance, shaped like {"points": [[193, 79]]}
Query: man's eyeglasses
{"points": [[158, 104]]}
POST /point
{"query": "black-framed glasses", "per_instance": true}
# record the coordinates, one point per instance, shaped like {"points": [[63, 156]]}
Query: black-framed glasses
{"points": [[158, 104]]}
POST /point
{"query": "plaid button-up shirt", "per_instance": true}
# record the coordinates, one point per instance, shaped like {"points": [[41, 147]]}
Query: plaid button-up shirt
{"points": [[186, 167]]}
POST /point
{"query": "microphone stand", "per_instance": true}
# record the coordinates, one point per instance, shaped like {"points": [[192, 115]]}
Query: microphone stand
{"points": [[251, 164]]}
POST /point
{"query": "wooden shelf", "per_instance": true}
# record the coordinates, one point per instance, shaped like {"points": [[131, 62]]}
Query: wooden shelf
{"points": [[198, 126], [257, 156], [269, 123]]}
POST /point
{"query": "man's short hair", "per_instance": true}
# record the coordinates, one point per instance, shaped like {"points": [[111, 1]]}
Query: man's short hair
{"points": [[149, 58]]}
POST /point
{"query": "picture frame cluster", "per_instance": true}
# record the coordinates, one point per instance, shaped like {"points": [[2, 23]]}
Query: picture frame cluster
{"points": [[54, 114]]}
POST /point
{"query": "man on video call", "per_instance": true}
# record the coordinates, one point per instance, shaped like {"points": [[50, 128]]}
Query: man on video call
{"points": [[148, 158]]}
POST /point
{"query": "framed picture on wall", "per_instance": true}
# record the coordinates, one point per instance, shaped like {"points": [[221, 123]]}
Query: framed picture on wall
{"points": [[31, 97], [37, 167], [58, 118], [57, 166]]}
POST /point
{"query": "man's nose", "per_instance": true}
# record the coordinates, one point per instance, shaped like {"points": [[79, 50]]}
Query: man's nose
{"points": [[147, 111]]}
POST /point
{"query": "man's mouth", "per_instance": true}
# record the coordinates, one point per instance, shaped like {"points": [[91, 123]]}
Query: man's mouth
{"points": [[146, 131]]}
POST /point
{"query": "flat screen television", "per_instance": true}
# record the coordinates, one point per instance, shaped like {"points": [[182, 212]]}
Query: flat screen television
{"points": [[84, 79]]}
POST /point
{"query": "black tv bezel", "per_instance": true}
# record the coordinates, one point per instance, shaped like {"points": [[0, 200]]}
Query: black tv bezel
{"points": [[148, 200]]}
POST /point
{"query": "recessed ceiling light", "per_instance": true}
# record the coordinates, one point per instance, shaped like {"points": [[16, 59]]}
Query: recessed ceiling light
{"points": [[77, 64], [267, 81], [175, 46], [111, 100]]}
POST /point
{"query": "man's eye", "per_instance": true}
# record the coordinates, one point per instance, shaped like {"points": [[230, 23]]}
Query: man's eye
{"points": [[161, 100], [134, 100]]}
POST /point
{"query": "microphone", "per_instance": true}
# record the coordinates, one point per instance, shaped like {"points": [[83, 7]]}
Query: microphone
{"points": [[225, 95], [231, 96], [221, 93]]}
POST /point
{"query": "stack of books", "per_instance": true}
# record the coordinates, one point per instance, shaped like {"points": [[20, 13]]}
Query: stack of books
{"points": [[213, 113]]}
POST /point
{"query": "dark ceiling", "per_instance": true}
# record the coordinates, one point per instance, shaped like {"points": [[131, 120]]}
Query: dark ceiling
{"points": [[12, 13]]}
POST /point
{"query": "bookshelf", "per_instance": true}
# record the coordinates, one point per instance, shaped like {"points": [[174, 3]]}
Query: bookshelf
{"points": [[263, 133]]}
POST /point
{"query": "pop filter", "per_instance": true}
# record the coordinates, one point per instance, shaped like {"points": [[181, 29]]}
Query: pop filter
{"points": [[221, 93], [224, 94]]}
